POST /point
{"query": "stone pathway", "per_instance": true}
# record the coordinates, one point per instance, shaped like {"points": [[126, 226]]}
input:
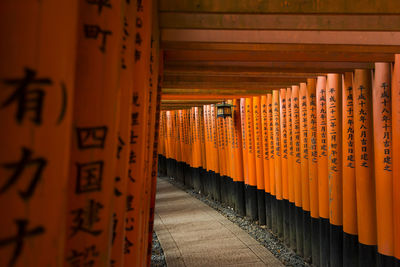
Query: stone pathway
{"points": [[193, 234]]}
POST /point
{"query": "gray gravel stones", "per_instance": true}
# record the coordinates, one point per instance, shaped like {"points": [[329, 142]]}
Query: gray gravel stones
{"points": [[157, 253]]}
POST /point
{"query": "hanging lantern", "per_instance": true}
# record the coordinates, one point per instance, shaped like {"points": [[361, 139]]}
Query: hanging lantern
{"points": [[224, 110]]}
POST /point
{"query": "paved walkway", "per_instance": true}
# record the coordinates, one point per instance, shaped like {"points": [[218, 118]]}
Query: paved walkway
{"points": [[193, 234]]}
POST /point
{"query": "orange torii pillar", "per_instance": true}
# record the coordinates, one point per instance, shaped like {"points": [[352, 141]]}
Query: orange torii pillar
{"points": [[305, 188], [94, 138], [196, 150], [264, 126], [237, 139], [296, 168], [124, 130], [284, 160], [350, 243], [323, 185], [230, 156], [203, 167], [36, 106], [271, 161], [382, 116], [259, 159], [207, 129], [290, 171], [313, 169], [365, 184], [139, 133], [244, 148], [214, 134], [221, 158], [227, 155], [251, 188], [396, 155], [180, 165], [156, 77], [277, 162], [334, 131]]}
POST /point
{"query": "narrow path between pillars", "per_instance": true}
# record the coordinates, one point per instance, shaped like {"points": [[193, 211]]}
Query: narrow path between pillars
{"points": [[193, 234]]}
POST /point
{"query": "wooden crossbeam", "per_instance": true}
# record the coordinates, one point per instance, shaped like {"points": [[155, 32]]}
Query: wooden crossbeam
{"points": [[393, 49], [312, 56], [281, 37], [313, 22], [282, 7]]}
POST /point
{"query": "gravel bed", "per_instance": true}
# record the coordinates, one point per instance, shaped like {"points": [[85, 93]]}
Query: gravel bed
{"points": [[157, 253], [263, 235]]}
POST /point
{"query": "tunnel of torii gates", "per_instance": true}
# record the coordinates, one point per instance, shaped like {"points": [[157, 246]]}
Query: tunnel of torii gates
{"points": [[96, 94]]}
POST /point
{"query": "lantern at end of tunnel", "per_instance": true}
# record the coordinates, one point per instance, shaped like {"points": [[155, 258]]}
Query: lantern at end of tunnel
{"points": [[224, 110]]}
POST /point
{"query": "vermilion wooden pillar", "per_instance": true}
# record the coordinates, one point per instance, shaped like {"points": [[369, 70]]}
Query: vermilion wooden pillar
{"points": [[139, 118], [297, 166], [37, 71], [237, 139], [334, 133], [277, 161], [157, 77], [382, 121], [292, 210], [323, 185], [350, 244], [364, 164], [265, 142], [123, 136], [271, 152], [284, 160], [244, 148], [313, 168], [305, 187], [396, 154], [94, 133], [259, 162], [251, 203]]}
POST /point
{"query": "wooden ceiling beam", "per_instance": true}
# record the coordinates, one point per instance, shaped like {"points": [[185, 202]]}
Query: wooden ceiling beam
{"points": [[223, 92], [394, 49], [282, 7], [209, 96], [238, 72], [312, 56], [312, 67], [281, 37], [313, 22], [171, 79]]}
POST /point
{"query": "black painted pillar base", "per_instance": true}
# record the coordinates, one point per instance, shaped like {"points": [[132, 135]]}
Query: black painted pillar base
{"points": [[222, 187], [240, 200], [286, 231], [385, 261], [251, 202], [292, 226], [188, 175], [336, 246], [261, 206], [367, 255], [196, 179], [315, 245], [279, 217], [350, 250], [307, 235], [274, 226], [299, 231], [229, 191], [268, 209], [324, 240]]}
